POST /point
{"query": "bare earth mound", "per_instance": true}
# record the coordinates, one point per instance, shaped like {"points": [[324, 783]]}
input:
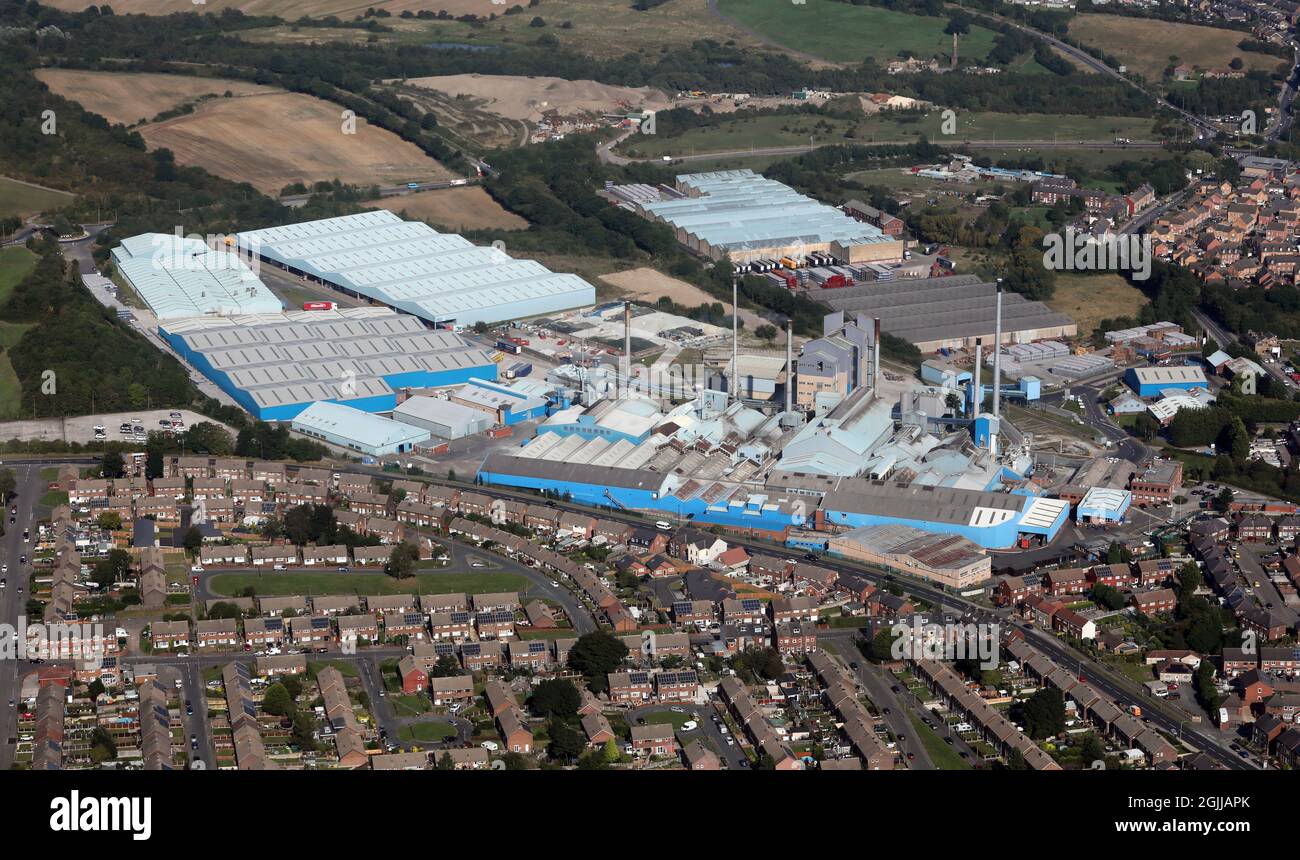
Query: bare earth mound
{"points": [[525, 98], [273, 140], [650, 285], [133, 97], [467, 208]]}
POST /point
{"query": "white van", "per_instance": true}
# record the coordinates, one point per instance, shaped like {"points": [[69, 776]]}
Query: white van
{"points": [[664, 526]]}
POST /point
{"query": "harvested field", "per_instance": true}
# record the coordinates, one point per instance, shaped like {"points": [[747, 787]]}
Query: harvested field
{"points": [[273, 140], [529, 98], [468, 208], [1090, 298], [132, 98], [1146, 44]]}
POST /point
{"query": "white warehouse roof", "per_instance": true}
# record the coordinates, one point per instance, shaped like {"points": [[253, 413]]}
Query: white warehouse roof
{"points": [[334, 421], [410, 266], [183, 277]]}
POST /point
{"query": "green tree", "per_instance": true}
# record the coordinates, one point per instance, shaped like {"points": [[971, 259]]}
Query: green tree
{"points": [[1044, 714], [445, 762], [402, 560], [8, 484], [567, 743], [595, 655], [193, 540], [111, 465], [555, 698], [276, 700], [110, 520]]}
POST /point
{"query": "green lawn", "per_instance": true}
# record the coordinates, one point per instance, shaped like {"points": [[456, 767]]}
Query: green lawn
{"points": [[741, 131], [347, 668], [411, 706], [666, 716], [843, 33], [943, 756], [230, 584], [17, 198], [426, 732]]}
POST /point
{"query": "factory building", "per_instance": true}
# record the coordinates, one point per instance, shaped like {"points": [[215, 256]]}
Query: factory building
{"points": [[628, 419], [355, 430], [183, 277], [506, 404], [275, 365], [949, 313], [1104, 505], [741, 215], [949, 560], [443, 418], [407, 265], [992, 520], [836, 364], [1153, 381]]}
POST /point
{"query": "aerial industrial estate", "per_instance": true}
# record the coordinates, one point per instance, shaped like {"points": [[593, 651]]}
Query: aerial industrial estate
{"points": [[852, 397]]}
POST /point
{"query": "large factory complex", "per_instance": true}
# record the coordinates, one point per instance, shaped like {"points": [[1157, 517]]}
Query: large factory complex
{"points": [[816, 448]]}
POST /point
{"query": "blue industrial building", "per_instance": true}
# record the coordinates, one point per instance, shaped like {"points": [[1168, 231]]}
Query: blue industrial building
{"points": [[512, 404], [1103, 505], [626, 419], [276, 365], [991, 520], [1151, 381]]}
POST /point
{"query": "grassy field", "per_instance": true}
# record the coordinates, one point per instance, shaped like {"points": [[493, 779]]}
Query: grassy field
{"points": [[746, 132], [19, 198], [598, 28], [426, 732], [230, 584], [943, 756], [15, 263], [1146, 45], [843, 33], [1088, 299]]}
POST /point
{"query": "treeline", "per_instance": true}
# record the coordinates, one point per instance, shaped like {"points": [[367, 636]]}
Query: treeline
{"points": [[1226, 96], [78, 358], [819, 173], [151, 43]]}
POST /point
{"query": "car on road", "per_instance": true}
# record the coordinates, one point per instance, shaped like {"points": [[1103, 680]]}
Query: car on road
{"points": [[383, 694], [194, 742], [189, 708], [911, 756], [175, 415], [885, 712], [22, 559], [477, 564], [677, 709]]}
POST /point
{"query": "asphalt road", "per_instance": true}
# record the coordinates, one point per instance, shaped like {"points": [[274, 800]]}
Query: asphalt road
{"points": [[14, 596]]}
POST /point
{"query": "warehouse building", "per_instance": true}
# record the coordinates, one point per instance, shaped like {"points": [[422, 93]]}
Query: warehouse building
{"points": [[991, 520], [442, 418], [949, 313], [1153, 381], [742, 215], [1104, 505], [183, 277], [355, 430], [505, 404], [407, 265], [275, 365], [949, 560]]}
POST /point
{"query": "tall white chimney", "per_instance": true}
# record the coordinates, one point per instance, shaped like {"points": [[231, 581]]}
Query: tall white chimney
{"points": [[978, 397], [627, 346], [875, 358], [733, 384], [997, 354], [789, 366]]}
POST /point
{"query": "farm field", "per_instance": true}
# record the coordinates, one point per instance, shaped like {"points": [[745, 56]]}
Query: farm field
{"points": [[758, 132], [132, 98], [293, 582], [1090, 298], [23, 199], [1145, 44], [468, 208], [246, 140], [243, 138], [599, 28], [843, 33]]}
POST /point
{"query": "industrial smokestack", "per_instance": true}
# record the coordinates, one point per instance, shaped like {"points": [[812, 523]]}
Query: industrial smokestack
{"points": [[789, 365], [977, 396], [997, 354], [733, 384], [627, 345], [875, 357]]}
